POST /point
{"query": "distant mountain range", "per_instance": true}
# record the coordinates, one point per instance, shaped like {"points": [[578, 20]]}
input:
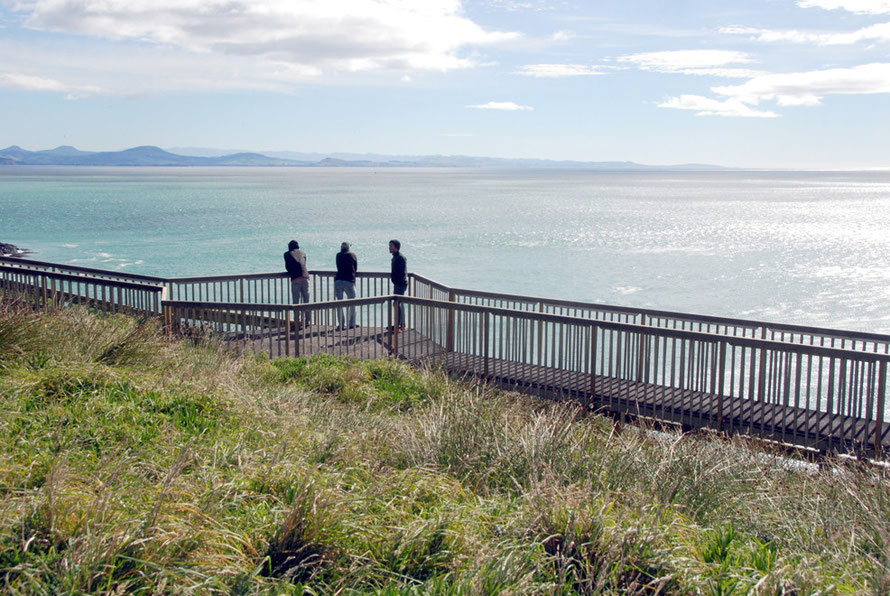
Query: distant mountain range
{"points": [[137, 156], [155, 156]]}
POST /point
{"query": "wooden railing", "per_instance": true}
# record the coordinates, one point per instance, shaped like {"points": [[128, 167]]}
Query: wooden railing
{"points": [[30, 264], [824, 398], [44, 288], [270, 288], [274, 288], [798, 334], [281, 329]]}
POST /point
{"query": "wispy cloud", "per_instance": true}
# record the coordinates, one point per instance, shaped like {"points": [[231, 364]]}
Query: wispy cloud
{"points": [[558, 70], [808, 88], [706, 106], [693, 62], [501, 105], [878, 32], [37, 83], [857, 6], [338, 35], [520, 5], [786, 90], [82, 69]]}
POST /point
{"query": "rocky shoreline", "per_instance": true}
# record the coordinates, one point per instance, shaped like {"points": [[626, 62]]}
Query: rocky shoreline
{"points": [[11, 250]]}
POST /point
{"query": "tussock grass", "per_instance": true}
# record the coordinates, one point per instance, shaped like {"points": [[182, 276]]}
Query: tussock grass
{"points": [[133, 463]]}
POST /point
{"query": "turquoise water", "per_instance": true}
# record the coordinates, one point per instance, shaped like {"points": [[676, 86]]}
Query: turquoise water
{"points": [[806, 248]]}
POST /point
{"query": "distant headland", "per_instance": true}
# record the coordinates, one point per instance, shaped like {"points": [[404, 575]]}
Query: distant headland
{"points": [[155, 156]]}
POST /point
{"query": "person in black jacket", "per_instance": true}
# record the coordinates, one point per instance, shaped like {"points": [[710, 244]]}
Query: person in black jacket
{"points": [[344, 283], [399, 277]]}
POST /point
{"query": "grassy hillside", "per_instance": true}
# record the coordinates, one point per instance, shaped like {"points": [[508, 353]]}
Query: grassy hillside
{"points": [[132, 463]]}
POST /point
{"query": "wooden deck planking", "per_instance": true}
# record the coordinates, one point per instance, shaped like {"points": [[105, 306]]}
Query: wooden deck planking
{"points": [[692, 409]]}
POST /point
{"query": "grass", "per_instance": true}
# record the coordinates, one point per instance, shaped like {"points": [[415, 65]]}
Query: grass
{"points": [[134, 463]]}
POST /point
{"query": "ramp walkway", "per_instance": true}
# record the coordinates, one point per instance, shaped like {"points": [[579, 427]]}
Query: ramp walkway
{"points": [[815, 388]]}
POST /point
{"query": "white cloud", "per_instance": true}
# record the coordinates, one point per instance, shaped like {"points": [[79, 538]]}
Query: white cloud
{"points": [[678, 60], [558, 70], [786, 90], [339, 35], [857, 6], [81, 69], [706, 106], [807, 88], [501, 105], [878, 32], [36, 83], [694, 62], [520, 5]]}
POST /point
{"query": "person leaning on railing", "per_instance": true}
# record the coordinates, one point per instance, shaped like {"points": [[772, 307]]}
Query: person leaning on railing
{"points": [[295, 263], [344, 283], [399, 277]]}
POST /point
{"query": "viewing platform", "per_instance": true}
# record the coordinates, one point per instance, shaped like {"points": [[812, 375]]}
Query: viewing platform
{"points": [[805, 387]]}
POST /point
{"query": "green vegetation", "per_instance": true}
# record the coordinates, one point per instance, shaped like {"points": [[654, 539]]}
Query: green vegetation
{"points": [[134, 463]]}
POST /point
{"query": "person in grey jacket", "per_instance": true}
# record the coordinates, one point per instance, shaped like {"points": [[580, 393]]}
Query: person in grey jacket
{"points": [[295, 263], [344, 283]]}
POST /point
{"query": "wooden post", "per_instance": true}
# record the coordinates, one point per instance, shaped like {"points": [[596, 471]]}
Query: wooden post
{"points": [[879, 422], [761, 377], [297, 321], [592, 364], [449, 339], [287, 333], [393, 318], [485, 343], [642, 356], [721, 380]]}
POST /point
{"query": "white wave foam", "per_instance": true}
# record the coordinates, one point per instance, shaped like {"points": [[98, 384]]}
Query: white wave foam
{"points": [[625, 290]]}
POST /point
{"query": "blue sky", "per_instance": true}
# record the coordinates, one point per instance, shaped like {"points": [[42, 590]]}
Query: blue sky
{"points": [[758, 83]]}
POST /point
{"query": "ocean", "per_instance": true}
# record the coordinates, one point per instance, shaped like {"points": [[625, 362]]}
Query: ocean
{"points": [[808, 248]]}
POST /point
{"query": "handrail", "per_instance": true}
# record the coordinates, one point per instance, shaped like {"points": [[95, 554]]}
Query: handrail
{"points": [[282, 295], [29, 263], [273, 275], [116, 283], [635, 328], [752, 342], [251, 306], [431, 282]]}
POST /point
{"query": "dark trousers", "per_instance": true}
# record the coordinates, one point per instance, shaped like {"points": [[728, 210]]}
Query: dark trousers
{"points": [[400, 289]]}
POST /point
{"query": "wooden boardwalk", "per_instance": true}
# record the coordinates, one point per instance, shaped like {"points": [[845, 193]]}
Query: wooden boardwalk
{"points": [[687, 408], [809, 387]]}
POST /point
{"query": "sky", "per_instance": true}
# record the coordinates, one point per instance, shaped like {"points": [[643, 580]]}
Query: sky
{"points": [[753, 83]]}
